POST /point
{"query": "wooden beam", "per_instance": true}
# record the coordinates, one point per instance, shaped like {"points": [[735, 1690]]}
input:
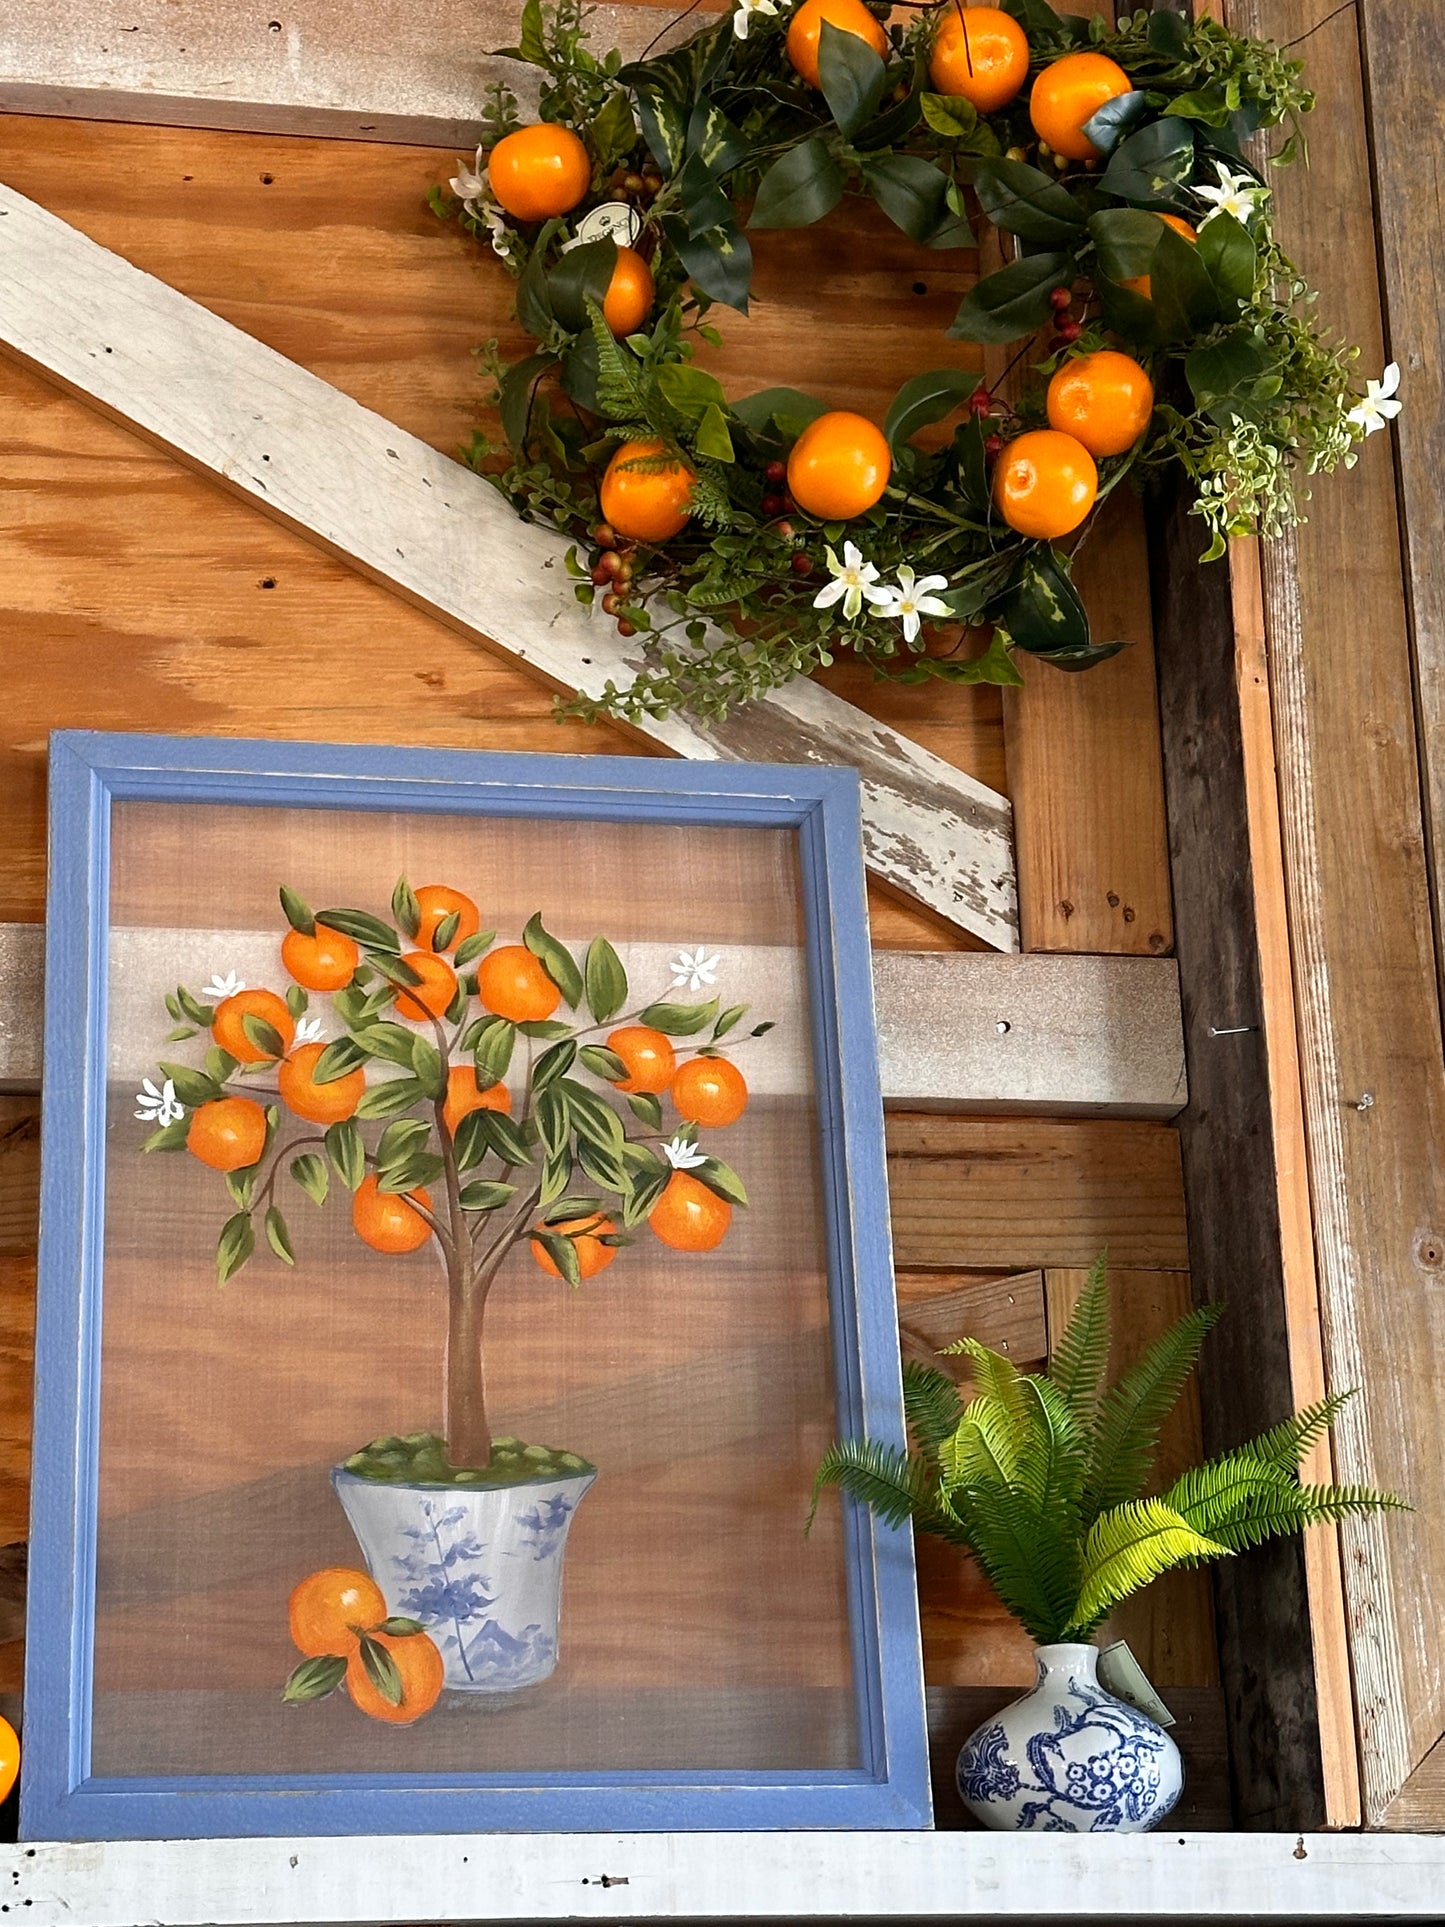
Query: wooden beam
{"points": [[957, 1030], [444, 539], [329, 67], [936, 1308]]}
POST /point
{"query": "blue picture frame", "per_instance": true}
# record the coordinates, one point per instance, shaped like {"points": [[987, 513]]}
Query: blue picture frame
{"points": [[61, 1799]]}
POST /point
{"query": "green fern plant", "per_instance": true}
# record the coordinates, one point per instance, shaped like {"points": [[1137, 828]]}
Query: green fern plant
{"points": [[1043, 1479]]}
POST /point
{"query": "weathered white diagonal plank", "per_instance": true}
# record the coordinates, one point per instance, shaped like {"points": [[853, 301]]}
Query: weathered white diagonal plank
{"points": [[1061, 1036], [343, 68], [439, 535]]}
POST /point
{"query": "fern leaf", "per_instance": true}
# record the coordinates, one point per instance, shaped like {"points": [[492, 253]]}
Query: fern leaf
{"points": [[1033, 1567], [1126, 1431], [892, 1483], [985, 1445], [992, 1373], [1288, 1445], [1078, 1360], [1241, 1502], [1050, 1473], [1126, 1548], [620, 393], [931, 1405]]}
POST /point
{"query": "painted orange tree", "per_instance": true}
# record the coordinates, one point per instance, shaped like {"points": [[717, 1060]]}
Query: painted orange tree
{"points": [[434, 1077]]}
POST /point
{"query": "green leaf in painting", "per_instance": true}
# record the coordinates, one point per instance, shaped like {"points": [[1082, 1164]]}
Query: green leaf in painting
{"points": [[679, 1020], [605, 981], [422, 1169], [470, 1141], [242, 1186], [925, 399], [592, 1116], [722, 1179], [347, 1152], [362, 926], [504, 1137], [309, 1171], [390, 1042], [429, 1068], [400, 1142], [729, 1020], [338, 1060], [1014, 301], [296, 1000], [563, 1253], [381, 1668], [264, 1036], [405, 908], [297, 911], [603, 1063], [553, 1062], [313, 1679], [193, 1008], [170, 1137], [493, 1048], [555, 959], [386, 1100], [646, 1107], [799, 188], [470, 948], [279, 1237], [234, 1246], [192, 1086], [481, 1195]]}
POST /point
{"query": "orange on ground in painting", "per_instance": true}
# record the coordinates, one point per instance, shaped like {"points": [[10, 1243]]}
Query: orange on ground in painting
{"points": [[586, 1235], [648, 1055], [690, 1217], [512, 984], [229, 1133], [437, 902], [325, 960], [419, 1664], [710, 1091], [329, 1611], [318, 1103], [251, 1044], [385, 1220]]}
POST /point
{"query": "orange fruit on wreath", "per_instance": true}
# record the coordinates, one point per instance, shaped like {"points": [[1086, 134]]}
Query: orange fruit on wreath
{"points": [[512, 984], [318, 1103], [330, 1608], [1067, 94], [1141, 283], [385, 1220], [436, 903], [1103, 400], [710, 1091], [325, 960], [646, 504], [419, 1663], [1044, 484], [539, 171], [648, 1055], [839, 466], [464, 1095], [806, 28], [688, 1216], [629, 297], [229, 1133], [433, 994], [592, 1255], [9, 1758], [228, 1026], [981, 53]]}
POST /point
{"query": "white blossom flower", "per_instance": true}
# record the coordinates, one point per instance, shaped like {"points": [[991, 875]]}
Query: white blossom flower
{"points": [[909, 599], [308, 1030], [853, 580], [158, 1106], [694, 969], [1236, 194], [470, 183], [743, 14], [500, 233], [1379, 404], [682, 1154], [220, 988]]}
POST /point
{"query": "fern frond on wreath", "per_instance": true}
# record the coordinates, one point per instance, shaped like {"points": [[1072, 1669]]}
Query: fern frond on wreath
{"points": [[1079, 1359], [1126, 1432], [1128, 1547]]}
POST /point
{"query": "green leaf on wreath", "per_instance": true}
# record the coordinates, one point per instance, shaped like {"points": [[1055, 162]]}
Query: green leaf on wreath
{"points": [[1023, 201], [720, 261], [1043, 613], [925, 399], [1152, 166], [1014, 301], [852, 77], [515, 391], [713, 139], [799, 188], [950, 115], [1184, 297], [1116, 120], [614, 131], [913, 193], [712, 438], [1125, 239], [787, 410], [1229, 256], [691, 391]]}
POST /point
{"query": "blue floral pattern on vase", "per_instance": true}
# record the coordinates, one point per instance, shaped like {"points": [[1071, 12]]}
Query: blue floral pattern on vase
{"points": [[481, 1569], [1069, 1757]]}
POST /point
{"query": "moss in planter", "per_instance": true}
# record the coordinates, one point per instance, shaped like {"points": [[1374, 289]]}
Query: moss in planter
{"points": [[421, 1459]]}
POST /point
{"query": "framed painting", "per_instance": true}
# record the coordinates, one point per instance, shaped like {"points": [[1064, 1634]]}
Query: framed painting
{"points": [[464, 1227]]}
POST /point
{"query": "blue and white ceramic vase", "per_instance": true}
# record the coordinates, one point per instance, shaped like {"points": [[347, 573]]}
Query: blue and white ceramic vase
{"points": [[480, 1568], [1069, 1757]]}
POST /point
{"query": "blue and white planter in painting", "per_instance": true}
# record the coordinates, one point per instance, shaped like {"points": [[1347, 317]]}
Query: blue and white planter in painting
{"points": [[1069, 1757], [481, 1569]]}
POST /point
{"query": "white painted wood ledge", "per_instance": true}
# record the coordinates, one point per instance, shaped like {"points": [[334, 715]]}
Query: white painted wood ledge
{"points": [[957, 1030], [712, 1876], [437, 534], [344, 68]]}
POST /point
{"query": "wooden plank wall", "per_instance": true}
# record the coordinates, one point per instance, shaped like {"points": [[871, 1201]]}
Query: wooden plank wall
{"points": [[135, 596]]}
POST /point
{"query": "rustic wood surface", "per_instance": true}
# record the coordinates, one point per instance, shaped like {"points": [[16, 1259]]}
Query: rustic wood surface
{"points": [[1359, 901]]}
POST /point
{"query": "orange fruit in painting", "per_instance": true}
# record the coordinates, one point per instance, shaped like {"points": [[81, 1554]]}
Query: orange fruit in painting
{"points": [[648, 1055], [385, 1221], [649, 504], [1045, 483], [1103, 400], [318, 1103], [229, 1029], [1070, 92], [9, 1758], [688, 1216], [981, 53], [806, 29], [1141, 283], [464, 1095], [329, 1608], [592, 1255], [710, 1091], [512, 984], [628, 300], [839, 466], [229, 1133], [436, 903], [323, 961], [422, 1673], [432, 995], [539, 171]]}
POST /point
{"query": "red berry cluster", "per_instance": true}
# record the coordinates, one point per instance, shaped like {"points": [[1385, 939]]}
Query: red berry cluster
{"points": [[614, 566], [1066, 329]]}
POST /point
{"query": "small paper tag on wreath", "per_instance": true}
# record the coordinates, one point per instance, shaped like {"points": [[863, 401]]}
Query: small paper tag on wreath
{"points": [[613, 221]]}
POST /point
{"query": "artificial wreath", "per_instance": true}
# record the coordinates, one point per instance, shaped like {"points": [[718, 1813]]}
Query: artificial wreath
{"points": [[751, 540]]}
